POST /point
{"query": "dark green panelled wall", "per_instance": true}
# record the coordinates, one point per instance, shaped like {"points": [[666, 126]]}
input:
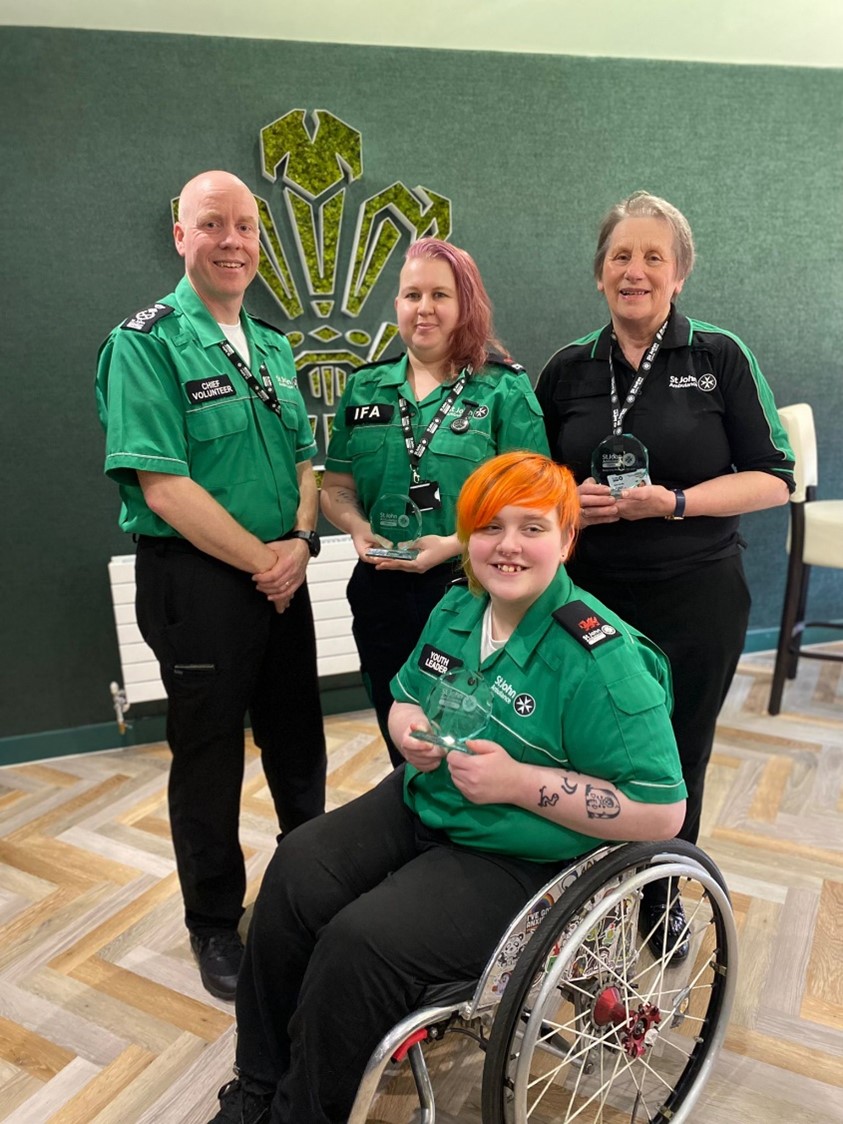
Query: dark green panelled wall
{"points": [[99, 130]]}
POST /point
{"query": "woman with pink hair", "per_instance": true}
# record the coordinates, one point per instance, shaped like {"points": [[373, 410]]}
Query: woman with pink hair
{"points": [[416, 425]]}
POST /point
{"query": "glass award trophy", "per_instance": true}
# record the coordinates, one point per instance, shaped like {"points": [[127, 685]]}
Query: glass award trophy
{"points": [[458, 707], [620, 461], [397, 521]]}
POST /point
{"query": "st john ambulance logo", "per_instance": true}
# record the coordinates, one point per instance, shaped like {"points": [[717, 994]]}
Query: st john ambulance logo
{"points": [[707, 382], [524, 705]]}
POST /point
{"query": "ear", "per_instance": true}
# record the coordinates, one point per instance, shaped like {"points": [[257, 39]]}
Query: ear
{"points": [[599, 286], [395, 303], [677, 288], [566, 544], [178, 237]]}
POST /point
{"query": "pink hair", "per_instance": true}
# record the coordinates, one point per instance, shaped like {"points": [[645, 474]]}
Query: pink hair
{"points": [[473, 336]]}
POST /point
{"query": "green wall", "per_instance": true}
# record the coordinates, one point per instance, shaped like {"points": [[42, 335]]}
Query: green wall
{"points": [[99, 130]]}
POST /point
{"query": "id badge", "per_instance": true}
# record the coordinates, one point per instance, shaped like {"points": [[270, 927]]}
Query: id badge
{"points": [[425, 495]]}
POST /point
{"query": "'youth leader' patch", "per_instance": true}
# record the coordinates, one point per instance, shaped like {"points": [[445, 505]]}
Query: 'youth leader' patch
{"points": [[207, 390], [585, 625], [435, 662], [375, 413]]}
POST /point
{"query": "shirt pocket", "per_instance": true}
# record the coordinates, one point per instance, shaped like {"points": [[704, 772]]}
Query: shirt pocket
{"points": [[367, 441], [221, 448], [637, 694]]}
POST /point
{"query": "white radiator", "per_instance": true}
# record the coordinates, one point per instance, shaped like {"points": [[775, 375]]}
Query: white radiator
{"points": [[327, 577]]}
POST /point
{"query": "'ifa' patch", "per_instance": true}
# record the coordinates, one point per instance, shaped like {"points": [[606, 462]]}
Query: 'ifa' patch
{"points": [[435, 662], [376, 413], [585, 625], [144, 320], [207, 390]]}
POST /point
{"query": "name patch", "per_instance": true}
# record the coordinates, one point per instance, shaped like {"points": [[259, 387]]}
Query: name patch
{"points": [[376, 413], [207, 390], [585, 625], [435, 662], [144, 320]]}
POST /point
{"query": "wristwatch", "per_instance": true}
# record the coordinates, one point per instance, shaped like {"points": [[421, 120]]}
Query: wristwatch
{"points": [[314, 544], [679, 509]]}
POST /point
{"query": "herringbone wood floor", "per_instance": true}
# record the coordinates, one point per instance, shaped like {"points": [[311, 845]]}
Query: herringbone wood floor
{"points": [[103, 1019]]}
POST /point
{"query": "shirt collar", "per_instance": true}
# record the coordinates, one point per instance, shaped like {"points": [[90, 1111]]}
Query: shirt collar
{"points": [[677, 334], [538, 618], [204, 325]]}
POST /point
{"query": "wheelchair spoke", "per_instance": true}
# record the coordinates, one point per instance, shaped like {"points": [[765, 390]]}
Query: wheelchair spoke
{"points": [[614, 1031]]}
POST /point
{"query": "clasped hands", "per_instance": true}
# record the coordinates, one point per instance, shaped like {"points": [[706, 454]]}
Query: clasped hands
{"points": [[283, 578]]}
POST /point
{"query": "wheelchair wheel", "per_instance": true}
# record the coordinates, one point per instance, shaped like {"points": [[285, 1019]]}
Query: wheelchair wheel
{"points": [[597, 1028]]}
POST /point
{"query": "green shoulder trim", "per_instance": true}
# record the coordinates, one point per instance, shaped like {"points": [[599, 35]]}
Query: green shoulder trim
{"points": [[778, 436]]}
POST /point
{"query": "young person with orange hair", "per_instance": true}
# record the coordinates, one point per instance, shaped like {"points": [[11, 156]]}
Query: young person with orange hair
{"points": [[413, 883]]}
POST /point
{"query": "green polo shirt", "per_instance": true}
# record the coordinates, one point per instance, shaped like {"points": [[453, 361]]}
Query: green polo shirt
{"points": [[592, 695], [170, 401], [368, 442]]}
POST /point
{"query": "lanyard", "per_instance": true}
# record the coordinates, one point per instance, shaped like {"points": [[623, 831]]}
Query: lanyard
{"points": [[266, 393], [618, 413], [416, 452]]}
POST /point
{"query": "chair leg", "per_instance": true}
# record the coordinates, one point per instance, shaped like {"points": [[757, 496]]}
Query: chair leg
{"points": [[790, 614], [798, 634]]}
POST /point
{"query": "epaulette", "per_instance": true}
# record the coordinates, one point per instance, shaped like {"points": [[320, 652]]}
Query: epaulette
{"points": [[266, 324], [145, 319], [585, 625], [460, 582], [503, 361], [382, 362]]}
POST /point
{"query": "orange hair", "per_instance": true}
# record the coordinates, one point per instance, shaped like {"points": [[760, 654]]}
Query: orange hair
{"points": [[516, 479]]}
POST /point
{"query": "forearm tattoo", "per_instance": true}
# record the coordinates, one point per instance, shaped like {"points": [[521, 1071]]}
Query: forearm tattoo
{"points": [[601, 803], [546, 801], [347, 496]]}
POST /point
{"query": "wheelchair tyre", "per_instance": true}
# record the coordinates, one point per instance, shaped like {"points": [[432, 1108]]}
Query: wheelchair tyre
{"points": [[596, 1028]]}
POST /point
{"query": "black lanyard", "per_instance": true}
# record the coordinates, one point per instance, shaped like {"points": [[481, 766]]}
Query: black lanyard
{"points": [[415, 452], [266, 393], [618, 413]]}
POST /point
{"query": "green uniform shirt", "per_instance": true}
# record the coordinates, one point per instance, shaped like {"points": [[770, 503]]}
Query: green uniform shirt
{"points": [[595, 699], [368, 442], [171, 402]]}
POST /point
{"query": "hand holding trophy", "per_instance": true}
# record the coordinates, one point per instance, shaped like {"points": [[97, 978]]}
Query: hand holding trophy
{"points": [[457, 707], [397, 521]]}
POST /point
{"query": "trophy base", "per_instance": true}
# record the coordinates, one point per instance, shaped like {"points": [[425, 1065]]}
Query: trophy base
{"points": [[447, 743], [383, 552]]}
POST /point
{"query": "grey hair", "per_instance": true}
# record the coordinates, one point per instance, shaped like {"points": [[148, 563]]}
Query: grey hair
{"points": [[641, 204]]}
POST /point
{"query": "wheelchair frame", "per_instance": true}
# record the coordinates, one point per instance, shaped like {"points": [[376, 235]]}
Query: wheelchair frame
{"points": [[572, 990]]}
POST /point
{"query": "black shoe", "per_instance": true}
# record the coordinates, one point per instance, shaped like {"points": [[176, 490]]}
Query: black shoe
{"points": [[666, 936], [219, 956], [239, 1106]]}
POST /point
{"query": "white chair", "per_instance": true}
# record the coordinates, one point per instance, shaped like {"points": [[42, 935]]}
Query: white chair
{"points": [[815, 539]]}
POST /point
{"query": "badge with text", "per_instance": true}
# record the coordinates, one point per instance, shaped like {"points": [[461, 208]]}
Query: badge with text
{"points": [[397, 522], [457, 707], [621, 461]]}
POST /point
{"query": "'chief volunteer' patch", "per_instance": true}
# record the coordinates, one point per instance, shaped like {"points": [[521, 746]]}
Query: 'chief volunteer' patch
{"points": [[207, 390], [376, 413], [144, 320], [435, 662], [585, 625]]}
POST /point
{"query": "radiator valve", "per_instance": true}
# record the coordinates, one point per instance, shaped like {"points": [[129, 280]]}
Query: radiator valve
{"points": [[121, 705]]}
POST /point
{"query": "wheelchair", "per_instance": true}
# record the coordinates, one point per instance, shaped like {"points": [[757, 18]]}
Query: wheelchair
{"points": [[581, 1011]]}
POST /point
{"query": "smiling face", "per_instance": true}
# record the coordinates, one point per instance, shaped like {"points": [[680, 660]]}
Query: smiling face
{"points": [[427, 308], [217, 235], [640, 277], [516, 555]]}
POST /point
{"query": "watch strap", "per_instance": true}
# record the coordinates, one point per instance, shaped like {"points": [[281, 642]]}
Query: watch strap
{"points": [[679, 508]]}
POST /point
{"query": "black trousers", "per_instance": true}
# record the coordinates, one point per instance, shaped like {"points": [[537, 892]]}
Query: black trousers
{"points": [[359, 910], [389, 610], [699, 621], [225, 653]]}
